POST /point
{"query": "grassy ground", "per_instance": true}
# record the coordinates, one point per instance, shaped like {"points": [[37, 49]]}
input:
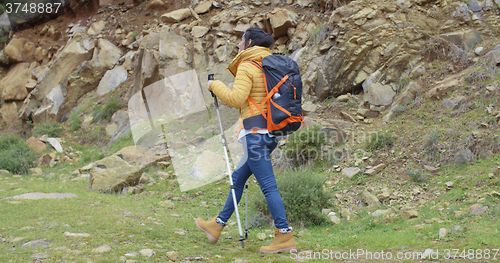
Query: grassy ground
{"points": [[129, 223]]}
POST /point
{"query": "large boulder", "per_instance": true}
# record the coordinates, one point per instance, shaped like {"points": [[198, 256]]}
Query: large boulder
{"points": [[174, 49], [176, 16], [13, 85], [36, 145], [111, 80], [78, 49], [8, 112], [464, 38], [49, 109], [281, 20], [14, 50], [120, 125], [133, 156], [442, 88], [494, 55], [107, 56], [203, 7], [376, 93], [96, 28], [112, 174], [199, 31], [370, 199], [86, 77]]}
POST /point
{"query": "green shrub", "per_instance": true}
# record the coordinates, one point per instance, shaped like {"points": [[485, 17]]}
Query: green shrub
{"points": [[304, 145], [437, 48], [379, 141], [122, 142], [15, 155], [95, 136], [417, 175], [75, 123], [303, 196], [105, 113], [51, 129]]}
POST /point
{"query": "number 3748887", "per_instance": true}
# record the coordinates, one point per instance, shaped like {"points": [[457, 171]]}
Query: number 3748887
{"points": [[33, 8]]}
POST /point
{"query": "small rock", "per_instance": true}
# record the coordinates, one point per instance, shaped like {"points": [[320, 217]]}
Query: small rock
{"points": [[309, 107], [474, 207], [443, 232], [335, 220], [370, 199], [430, 168], [345, 213], [350, 172], [167, 204], [68, 234], [163, 164], [102, 249], [456, 229], [87, 122], [37, 145], [380, 212], [367, 113], [36, 243], [39, 256], [347, 116], [479, 51], [384, 195], [147, 252], [261, 236], [375, 170], [479, 211], [343, 98], [56, 144], [408, 214], [458, 213], [325, 211], [173, 255], [144, 178]]}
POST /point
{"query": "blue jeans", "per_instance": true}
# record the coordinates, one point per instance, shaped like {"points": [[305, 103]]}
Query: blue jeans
{"points": [[257, 160]]}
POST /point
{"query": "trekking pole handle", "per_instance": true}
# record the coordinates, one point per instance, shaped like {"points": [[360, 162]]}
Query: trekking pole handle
{"points": [[211, 77]]}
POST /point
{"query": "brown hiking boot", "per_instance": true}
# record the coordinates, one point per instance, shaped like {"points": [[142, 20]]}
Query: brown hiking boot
{"points": [[212, 228], [281, 243]]}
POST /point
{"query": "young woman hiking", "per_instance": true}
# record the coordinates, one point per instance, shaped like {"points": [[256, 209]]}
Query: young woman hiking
{"points": [[257, 144]]}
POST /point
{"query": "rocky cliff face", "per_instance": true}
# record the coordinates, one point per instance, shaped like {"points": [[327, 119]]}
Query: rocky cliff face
{"points": [[368, 47]]}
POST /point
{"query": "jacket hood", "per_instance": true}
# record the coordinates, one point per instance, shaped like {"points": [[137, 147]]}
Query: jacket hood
{"points": [[256, 53]]}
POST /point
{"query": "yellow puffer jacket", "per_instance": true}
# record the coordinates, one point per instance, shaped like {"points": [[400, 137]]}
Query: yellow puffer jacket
{"points": [[249, 81]]}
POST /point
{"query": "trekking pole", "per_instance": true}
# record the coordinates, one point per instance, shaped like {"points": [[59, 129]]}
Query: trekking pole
{"points": [[246, 210], [242, 239]]}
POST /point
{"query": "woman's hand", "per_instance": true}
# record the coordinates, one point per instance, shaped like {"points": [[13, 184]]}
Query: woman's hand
{"points": [[208, 84]]}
